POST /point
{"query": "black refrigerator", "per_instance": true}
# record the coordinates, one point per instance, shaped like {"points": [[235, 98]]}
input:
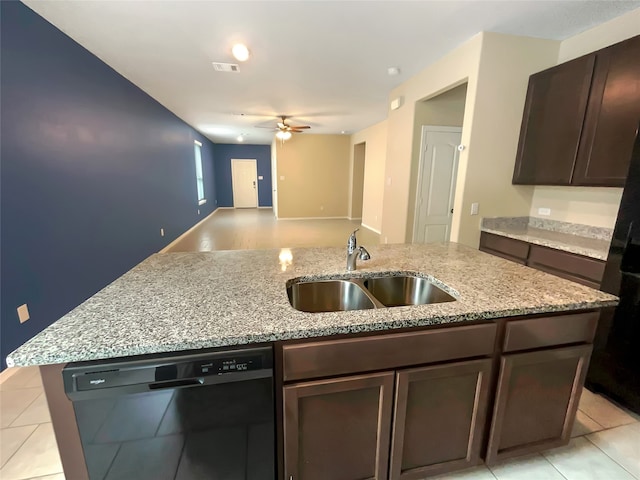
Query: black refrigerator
{"points": [[615, 363]]}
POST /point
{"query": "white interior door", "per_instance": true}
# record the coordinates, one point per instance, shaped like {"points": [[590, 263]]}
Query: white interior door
{"points": [[436, 183], [244, 177]]}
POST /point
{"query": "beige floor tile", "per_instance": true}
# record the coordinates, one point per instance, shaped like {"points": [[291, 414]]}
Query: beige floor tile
{"points": [[529, 467], [14, 402], [584, 425], [57, 476], [621, 444], [11, 439], [475, 473], [582, 460], [24, 377], [37, 412], [603, 411], [36, 381], [38, 456]]}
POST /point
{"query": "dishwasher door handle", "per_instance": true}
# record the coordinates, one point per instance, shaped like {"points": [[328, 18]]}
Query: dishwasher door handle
{"points": [[187, 382]]}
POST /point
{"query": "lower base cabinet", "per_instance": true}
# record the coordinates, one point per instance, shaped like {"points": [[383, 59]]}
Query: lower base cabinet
{"points": [[338, 429], [536, 401], [341, 429], [439, 417]]}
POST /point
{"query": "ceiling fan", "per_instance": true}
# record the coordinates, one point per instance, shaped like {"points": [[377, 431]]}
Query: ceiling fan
{"points": [[284, 130]]}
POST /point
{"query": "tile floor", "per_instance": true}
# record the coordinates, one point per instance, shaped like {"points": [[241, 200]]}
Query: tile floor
{"points": [[606, 443]]}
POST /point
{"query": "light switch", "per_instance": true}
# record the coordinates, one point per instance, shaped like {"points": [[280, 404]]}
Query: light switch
{"points": [[162, 232], [544, 211], [23, 313], [281, 177], [260, 177], [474, 208]]}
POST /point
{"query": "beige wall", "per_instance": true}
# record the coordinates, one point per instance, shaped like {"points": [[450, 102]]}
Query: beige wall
{"points": [[357, 180], [496, 69], [316, 176], [447, 109], [590, 206], [375, 139], [456, 68]]}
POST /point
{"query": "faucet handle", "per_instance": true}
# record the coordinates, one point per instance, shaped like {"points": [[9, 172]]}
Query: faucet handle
{"points": [[352, 243]]}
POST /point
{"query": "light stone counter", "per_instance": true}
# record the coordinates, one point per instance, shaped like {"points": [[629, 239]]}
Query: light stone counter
{"points": [[181, 301], [584, 240]]}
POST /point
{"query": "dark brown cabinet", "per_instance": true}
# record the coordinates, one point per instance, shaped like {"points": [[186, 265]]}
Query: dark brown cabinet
{"points": [[580, 120], [552, 123], [439, 417], [612, 117], [577, 268], [339, 428], [536, 401]]}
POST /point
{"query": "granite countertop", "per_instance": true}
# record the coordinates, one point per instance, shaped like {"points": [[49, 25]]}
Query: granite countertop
{"points": [[180, 301], [584, 240]]}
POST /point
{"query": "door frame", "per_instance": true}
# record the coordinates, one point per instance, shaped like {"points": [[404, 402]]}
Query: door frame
{"points": [[233, 192], [426, 129]]}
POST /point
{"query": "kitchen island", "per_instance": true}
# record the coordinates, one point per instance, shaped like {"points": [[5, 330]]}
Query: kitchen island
{"points": [[508, 327]]}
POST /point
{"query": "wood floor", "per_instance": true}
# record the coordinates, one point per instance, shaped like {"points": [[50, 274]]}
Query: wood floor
{"points": [[239, 229]]}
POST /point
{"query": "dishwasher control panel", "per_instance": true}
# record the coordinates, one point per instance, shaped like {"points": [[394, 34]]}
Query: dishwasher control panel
{"points": [[220, 366]]}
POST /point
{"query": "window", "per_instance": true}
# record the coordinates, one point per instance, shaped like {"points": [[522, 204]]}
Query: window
{"points": [[199, 176]]}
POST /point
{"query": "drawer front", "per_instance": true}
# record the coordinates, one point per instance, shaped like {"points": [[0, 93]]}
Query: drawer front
{"points": [[363, 354], [575, 267], [550, 331], [508, 248]]}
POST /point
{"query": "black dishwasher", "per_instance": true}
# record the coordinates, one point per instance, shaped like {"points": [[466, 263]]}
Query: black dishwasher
{"points": [[186, 417]]}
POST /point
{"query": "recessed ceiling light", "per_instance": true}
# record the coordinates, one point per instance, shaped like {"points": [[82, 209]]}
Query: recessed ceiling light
{"points": [[240, 138], [240, 52], [343, 132], [393, 71]]}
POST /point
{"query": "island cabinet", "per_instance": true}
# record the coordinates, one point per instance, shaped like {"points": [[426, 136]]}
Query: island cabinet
{"points": [[538, 391], [398, 423], [423, 402], [580, 120]]}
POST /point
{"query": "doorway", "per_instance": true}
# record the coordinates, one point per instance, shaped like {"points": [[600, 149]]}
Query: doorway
{"points": [[436, 183], [244, 181], [357, 186]]}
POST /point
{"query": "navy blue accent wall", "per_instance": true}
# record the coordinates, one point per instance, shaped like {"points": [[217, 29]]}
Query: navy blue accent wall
{"points": [[91, 169], [223, 154]]}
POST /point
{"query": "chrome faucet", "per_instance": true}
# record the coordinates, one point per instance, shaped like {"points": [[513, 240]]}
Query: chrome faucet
{"points": [[354, 252]]}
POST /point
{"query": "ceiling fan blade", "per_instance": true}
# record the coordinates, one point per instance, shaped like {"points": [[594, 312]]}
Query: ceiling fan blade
{"points": [[300, 126]]}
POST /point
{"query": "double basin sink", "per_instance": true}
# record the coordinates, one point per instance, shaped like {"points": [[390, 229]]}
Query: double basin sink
{"points": [[342, 294]]}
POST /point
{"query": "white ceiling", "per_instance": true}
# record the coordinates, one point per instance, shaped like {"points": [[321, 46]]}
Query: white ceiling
{"points": [[322, 62]]}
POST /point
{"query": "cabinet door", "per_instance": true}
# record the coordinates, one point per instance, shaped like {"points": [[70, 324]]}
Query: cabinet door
{"points": [[338, 429], [552, 123], [536, 400], [612, 117], [439, 418]]}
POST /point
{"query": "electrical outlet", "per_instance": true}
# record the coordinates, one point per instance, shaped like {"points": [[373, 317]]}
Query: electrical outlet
{"points": [[281, 177], [162, 232], [260, 177], [474, 208], [198, 211], [23, 313], [544, 211]]}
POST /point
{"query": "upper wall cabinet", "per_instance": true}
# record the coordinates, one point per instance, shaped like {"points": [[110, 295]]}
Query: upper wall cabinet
{"points": [[580, 120]]}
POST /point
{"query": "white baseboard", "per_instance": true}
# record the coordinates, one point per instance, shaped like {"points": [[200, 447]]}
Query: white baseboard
{"points": [[271, 208], [168, 247], [354, 218], [313, 218], [371, 228]]}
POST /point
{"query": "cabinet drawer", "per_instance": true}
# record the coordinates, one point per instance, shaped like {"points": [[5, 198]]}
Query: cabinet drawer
{"points": [[585, 270], [549, 331], [381, 352], [508, 248]]}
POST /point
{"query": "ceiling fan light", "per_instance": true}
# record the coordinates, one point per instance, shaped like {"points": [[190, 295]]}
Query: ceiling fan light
{"points": [[283, 135], [240, 52]]}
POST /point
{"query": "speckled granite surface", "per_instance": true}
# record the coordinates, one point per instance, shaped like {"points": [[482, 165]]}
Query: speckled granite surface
{"points": [[180, 301], [575, 238]]}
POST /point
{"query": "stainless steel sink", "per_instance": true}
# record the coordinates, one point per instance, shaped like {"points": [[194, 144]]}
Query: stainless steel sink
{"points": [[328, 296], [364, 293], [406, 290]]}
